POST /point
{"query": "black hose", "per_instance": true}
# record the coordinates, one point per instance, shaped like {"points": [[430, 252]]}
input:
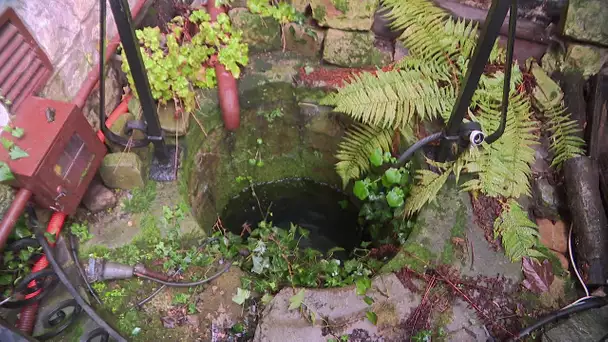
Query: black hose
{"points": [[111, 136], [405, 156], [48, 251], [592, 303], [76, 262], [506, 91], [184, 284]]}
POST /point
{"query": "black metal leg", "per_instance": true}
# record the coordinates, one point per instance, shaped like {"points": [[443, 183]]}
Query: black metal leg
{"points": [[489, 33], [122, 16]]}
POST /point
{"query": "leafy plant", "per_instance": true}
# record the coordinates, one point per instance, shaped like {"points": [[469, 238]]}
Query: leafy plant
{"points": [[279, 10], [180, 60], [384, 198], [81, 231], [272, 115], [421, 88], [140, 199], [181, 298]]}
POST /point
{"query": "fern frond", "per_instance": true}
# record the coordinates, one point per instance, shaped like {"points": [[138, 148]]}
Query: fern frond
{"points": [[565, 137], [503, 168], [426, 188], [391, 99], [356, 147], [518, 233]]}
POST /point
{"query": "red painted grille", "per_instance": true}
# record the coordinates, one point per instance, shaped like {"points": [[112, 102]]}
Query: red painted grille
{"points": [[24, 68]]}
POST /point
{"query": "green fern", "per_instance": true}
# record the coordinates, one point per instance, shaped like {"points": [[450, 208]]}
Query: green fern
{"points": [[391, 99], [356, 147], [518, 233], [426, 188], [565, 137]]}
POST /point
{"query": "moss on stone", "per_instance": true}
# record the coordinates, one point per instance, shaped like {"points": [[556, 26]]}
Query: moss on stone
{"points": [[353, 49], [261, 34]]}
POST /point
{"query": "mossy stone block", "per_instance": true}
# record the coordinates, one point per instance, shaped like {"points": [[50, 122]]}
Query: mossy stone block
{"points": [[353, 49], [261, 34], [7, 194], [586, 20], [587, 60], [171, 123], [123, 170], [344, 14], [306, 40]]}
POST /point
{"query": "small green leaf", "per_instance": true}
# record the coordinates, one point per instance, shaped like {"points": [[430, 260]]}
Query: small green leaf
{"points": [[5, 172], [362, 285], [391, 176], [50, 237], [331, 339], [17, 132], [260, 141], [7, 128], [260, 163], [6, 279], [252, 161], [360, 190], [334, 250], [17, 153], [266, 298], [372, 317], [376, 157], [295, 302], [241, 296], [343, 204], [7, 144], [368, 300], [238, 328], [395, 198]]}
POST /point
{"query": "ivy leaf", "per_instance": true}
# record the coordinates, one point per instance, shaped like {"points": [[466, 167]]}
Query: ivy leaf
{"points": [[362, 285], [17, 153], [6, 279], [266, 298], [241, 296], [5, 172], [7, 144], [376, 158], [372, 317], [368, 300], [259, 264], [18, 132], [391, 176], [50, 237], [360, 190], [7, 128], [395, 198], [295, 302]]}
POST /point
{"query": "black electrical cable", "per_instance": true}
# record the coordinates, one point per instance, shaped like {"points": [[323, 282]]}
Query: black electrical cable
{"points": [[405, 156], [48, 251], [591, 303], [83, 276], [113, 137], [184, 284], [506, 91]]}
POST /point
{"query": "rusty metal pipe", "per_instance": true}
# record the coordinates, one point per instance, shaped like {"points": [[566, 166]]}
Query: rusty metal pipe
{"points": [[12, 215]]}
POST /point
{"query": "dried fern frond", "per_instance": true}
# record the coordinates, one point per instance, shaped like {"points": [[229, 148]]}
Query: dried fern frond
{"points": [[518, 233], [565, 137], [356, 147], [391, 99]]}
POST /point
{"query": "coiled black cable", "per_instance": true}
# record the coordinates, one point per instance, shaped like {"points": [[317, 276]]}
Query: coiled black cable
{"points": [[48, 251], [591, 303]]}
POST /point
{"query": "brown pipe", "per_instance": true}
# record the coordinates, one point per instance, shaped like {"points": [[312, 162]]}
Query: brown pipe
{"points": [[141, 269], [12, 215], [226, 83], [93, 77]]}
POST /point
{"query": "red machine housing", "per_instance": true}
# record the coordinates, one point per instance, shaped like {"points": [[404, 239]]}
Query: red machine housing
{"points": [[64, 153]]}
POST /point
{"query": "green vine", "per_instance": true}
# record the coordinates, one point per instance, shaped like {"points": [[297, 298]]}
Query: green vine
{"points": [[181, 59]]}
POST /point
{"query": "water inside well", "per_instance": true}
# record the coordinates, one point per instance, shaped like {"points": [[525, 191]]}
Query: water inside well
{"points": [[325, 211]]}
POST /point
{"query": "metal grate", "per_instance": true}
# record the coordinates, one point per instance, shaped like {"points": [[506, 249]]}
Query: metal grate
{"points": [[24, 68]]}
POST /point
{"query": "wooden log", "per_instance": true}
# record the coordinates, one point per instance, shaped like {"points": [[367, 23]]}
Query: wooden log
{"points": [[525, 29], [590, 225]]}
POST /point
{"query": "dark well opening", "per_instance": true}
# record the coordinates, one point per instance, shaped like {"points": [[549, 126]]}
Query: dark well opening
{"points": [[325, 211]]}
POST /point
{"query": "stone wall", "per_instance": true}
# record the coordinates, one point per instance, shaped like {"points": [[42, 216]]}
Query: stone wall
{"points": [[68, 31], [339, 32]]}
